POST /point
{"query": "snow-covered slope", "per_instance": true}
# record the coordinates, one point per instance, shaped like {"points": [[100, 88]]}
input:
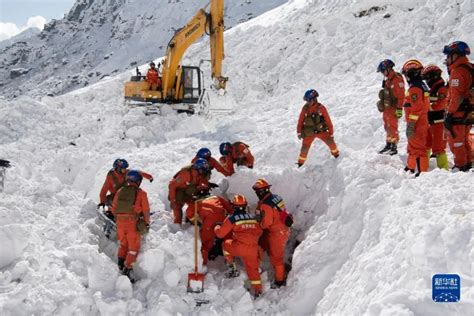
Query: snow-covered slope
{"points": [[371, 236], [23, 36], [101, 38]]}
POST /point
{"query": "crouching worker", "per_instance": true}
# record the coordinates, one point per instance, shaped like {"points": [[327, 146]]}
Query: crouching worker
{"points": [[132, 212], [184, 184], [211, 210], [237, 153], [246, 232], [314, 122]]}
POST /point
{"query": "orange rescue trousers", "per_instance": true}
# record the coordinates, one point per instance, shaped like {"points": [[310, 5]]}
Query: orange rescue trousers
{"points": [[307, 141], [390, 124], [461, 145], [436, 139], [416, 148], [274, 243], [177, 208], [250, 258], [129, 239]]}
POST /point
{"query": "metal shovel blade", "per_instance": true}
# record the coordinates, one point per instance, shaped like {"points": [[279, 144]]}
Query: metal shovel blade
{"points": [[195, 282]]}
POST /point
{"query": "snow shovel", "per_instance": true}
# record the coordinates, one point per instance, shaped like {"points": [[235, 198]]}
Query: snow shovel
{"points": [[195, 279]]}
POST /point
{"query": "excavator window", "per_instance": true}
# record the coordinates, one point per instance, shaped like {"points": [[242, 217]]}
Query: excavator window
{"points": [[191, 84]]}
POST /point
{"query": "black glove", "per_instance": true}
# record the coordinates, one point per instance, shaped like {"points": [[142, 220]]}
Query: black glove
{"points": [[212, 185], [110, 215], [5, 163], [216, 249], [100, 205], [151, 180]]}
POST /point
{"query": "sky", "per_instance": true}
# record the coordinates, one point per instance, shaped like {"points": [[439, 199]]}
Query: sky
{"points": [[18, 15]]}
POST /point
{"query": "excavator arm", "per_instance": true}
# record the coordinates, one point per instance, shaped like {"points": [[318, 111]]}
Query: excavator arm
{"points": [[211, 23]]}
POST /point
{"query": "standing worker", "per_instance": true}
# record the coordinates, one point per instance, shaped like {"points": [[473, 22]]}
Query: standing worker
{"points": [[436, 139], [314, 122], [244, 243], [459, 118], [153, 77], [130, 206], [390, 104], [275, 222], [417, 103]]}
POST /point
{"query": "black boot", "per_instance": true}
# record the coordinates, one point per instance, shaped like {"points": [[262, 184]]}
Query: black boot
{"points": [[129, 273], [408, 169], [232, 271], [393, 149], [278, 284], [386, 148], [121, 263]]}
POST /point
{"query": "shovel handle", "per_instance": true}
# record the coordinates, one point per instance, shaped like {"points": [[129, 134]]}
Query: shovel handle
{"points": [[195, 237]]}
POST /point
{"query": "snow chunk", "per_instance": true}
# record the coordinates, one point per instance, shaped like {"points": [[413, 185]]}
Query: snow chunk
{"points": [[14, 239], [152, 262]]}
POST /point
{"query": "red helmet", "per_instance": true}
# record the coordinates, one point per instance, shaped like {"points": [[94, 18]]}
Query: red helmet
{"points": [[239, 200], [261, 184], [412, 66], [430, 71]]}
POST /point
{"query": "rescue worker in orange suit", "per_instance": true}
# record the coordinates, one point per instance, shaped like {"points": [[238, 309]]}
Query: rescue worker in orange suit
{"points": [[459, 118], [417, 103], [246, 232], [314, 122], [436, 140], [130, 203], [211, 210], [114, 181], [184, 185], [205, 153], [238, 153], [153, 77], [390, 104], [275, 221]]}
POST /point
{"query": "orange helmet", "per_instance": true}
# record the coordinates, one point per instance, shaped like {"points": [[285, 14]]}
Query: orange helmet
{"points": [[431, 71], [261, 184], [412, 65], [239, 200]]}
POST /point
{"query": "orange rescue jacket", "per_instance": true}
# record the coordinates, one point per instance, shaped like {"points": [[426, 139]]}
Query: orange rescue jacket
{"points": [[311, 108], [244, 228], [140, 206], [460, 81]]}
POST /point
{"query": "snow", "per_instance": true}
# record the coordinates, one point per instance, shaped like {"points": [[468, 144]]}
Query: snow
{"points": [[371, 236]]}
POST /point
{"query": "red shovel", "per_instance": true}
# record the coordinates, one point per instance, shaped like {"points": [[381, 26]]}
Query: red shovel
{"points": [[196, 279]]}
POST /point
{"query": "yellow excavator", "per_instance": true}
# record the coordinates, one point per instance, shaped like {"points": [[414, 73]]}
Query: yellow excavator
{"points": [[182, 86]]}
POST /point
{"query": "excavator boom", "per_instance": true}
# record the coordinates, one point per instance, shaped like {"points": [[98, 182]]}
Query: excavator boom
{"points": [[211, 23]]}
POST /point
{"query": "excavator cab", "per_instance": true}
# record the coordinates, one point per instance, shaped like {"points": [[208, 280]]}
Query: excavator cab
{"points": [[191, 83]]}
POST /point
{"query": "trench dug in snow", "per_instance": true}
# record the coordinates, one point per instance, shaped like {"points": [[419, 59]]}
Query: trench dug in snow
{"points": [[306, 195]]}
